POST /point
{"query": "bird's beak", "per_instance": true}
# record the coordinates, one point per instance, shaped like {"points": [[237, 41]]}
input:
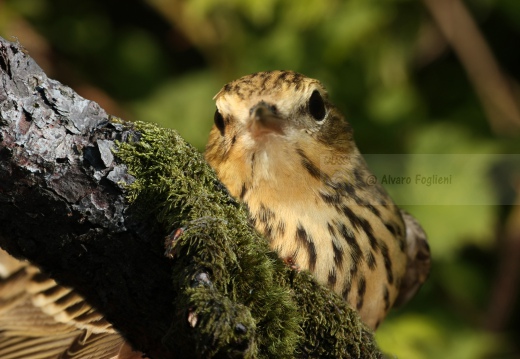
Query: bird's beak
{"points": [[264, 119]]}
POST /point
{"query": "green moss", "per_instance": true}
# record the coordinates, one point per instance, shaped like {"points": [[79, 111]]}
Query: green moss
{"points": [[243, 301]]}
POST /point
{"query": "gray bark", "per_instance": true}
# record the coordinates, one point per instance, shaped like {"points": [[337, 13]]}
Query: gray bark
{"points": [[62, 208]]}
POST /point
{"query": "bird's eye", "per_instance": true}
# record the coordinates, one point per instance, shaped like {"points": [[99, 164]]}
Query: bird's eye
{"points": [[219, 122], [317, 106]]}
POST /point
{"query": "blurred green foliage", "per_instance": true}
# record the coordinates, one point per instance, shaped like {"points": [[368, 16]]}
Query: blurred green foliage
{"points": [[384, 63]]}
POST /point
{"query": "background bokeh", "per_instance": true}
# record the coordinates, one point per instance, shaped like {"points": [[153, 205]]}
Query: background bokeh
{"points": [[413, 77]]}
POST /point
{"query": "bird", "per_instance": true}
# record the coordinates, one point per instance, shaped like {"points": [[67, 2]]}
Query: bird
{"points": [[284, 151]]}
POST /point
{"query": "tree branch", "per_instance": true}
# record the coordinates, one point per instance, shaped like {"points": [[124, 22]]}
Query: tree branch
{"points": [[90, 199], [492, 86]]}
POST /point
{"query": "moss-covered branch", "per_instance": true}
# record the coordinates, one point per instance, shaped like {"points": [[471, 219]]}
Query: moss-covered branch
{"points": [[96, 220]]}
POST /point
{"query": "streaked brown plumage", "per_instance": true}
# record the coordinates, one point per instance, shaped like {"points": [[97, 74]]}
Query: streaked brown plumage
{"points": [[40, 319], [285, 151]]}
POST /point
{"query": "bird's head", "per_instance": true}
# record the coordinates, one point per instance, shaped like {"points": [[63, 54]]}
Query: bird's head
{"points": [[277, 120], [257, 109]]}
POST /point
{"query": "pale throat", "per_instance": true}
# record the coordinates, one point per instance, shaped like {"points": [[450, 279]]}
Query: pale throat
{"points": [[273, 169]]}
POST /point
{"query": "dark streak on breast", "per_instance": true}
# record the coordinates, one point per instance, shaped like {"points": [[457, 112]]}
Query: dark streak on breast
{"points": [[371, 260], [355, 251], [268, 229], [362, 287], [347, 286], [310, 167], [332, 199], [353, 218], [243, 191], [253, 165], [331, 229], [338, 255], [374, 210], [388, 263], [331, 279], [367, 228], [361, 223], [280, 228], [265, 215], [391, 228], [386, 297], [304, 239]]}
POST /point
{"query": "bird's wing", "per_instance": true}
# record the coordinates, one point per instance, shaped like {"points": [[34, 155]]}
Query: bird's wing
{"points": [[40, 319], [418, 255]]}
